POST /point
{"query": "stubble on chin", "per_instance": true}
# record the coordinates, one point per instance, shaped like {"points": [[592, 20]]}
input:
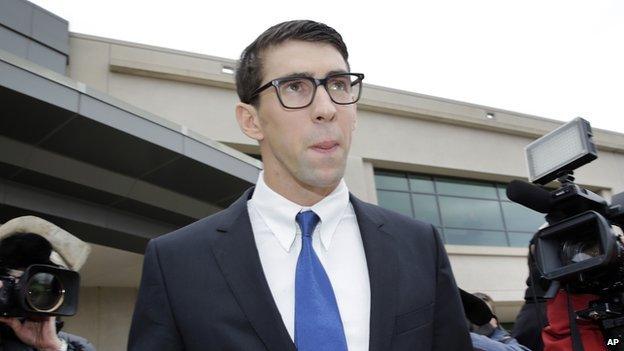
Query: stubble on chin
{"points": [[321, 176]]}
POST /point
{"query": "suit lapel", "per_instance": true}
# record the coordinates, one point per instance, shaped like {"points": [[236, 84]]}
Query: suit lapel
{"points": [[237, 257], [381, 259]]}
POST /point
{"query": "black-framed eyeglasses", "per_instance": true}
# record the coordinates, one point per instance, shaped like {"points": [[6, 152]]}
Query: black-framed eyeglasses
{"points": [[299, 92]]}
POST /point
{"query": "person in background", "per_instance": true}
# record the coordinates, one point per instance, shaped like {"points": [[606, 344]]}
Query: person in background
{"points": [[491, 336]]}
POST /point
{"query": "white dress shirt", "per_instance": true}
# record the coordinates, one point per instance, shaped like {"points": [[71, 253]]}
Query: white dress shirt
{"points": [[337, 243]]}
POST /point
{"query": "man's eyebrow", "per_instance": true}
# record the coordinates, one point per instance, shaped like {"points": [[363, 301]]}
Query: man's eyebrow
{"points": [[338, 71], [299, 75], [310, 75]]}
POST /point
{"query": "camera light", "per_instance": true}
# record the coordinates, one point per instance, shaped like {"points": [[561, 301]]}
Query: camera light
{"points": [[564, 149]]}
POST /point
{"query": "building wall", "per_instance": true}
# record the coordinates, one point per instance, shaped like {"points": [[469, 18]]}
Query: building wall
{"points": [[396, 130], [427, 145], [30, 32], [104, 316]]}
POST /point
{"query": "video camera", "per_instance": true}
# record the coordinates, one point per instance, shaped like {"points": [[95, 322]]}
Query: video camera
{"points": [[41, 290], [581, 247]]}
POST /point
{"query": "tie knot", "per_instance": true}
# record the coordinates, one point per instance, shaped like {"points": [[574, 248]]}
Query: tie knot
{"points": [[307, 222]]}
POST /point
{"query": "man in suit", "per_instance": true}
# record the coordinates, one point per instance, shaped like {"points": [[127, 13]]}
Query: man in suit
{"points": [[297, 262]]}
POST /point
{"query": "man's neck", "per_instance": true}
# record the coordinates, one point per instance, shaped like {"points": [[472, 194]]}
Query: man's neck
{"points": [[297, 192]]}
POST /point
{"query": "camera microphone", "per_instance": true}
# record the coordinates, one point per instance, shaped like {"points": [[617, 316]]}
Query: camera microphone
{"points": [[529, 195]]}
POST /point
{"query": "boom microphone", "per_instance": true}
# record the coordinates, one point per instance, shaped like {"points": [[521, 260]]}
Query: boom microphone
{"points": [[529, 195]]}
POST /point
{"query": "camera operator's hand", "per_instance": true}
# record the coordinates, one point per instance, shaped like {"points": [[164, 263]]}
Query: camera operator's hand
{"points": [[38, 333]]}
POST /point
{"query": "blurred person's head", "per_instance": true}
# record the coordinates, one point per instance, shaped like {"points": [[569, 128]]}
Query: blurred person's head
{"points": [[29, 240], [24, 249], [487, 299], [479, 312]]}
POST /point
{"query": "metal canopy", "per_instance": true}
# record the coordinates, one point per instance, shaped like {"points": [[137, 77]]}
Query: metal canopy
{"points": [[116, 174]]}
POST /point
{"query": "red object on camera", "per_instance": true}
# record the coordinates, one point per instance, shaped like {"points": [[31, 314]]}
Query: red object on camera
{"points": [[557, 336]]}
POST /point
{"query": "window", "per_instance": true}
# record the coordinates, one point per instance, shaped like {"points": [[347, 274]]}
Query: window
{"points": [[466, 212]]}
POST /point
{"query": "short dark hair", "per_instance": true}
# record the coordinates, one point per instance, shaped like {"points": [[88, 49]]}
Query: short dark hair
{"points": [[249, 71], [21, 250]]}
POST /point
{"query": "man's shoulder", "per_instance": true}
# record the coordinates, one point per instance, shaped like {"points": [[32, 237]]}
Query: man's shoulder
{"points": [[416, 241], [203, 229], [393, 219]]}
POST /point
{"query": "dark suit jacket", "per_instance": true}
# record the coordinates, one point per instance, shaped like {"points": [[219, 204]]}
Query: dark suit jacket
{"points": [[203, 288]]}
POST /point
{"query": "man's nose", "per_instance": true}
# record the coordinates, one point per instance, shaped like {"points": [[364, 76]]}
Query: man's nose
{"points": [[324, 108]]}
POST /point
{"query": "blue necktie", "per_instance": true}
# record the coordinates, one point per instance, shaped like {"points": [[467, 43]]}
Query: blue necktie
{"points": [[318, 326]]}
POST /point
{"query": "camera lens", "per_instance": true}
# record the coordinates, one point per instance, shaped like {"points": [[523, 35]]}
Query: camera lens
{"points": [[44, 292], [578, 251]]}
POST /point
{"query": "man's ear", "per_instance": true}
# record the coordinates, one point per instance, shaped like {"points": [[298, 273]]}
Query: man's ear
{"points": [[354, 123], [248, 121]]}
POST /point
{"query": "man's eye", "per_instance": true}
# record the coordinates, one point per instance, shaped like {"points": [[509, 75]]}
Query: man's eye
{"points": [[294, 87], [338, 85]]}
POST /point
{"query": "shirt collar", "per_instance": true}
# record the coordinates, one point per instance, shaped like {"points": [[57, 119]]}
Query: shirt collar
{"points": [[279, 213]]}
